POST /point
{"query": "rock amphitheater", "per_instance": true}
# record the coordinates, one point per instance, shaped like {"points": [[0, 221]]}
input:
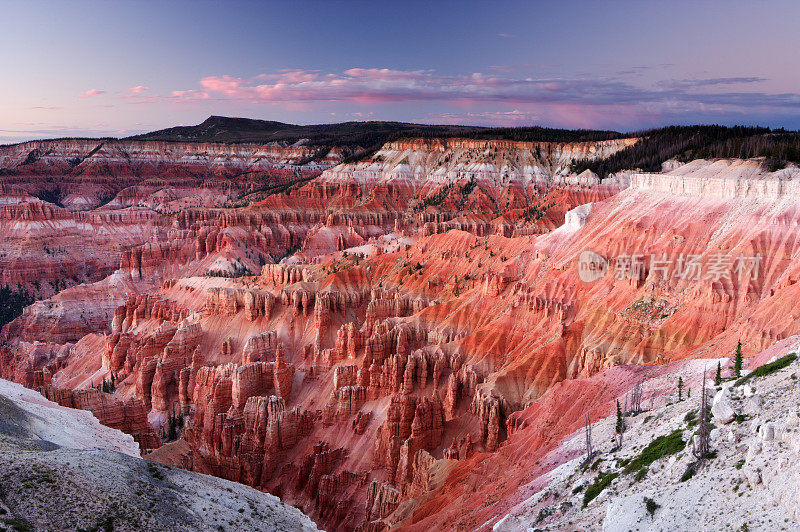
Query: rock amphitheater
{"points": [[404, 341]]}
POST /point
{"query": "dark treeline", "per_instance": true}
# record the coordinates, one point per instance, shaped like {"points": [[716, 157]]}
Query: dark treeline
{"points": [[521, 134], [685, 143], [12, 302]]}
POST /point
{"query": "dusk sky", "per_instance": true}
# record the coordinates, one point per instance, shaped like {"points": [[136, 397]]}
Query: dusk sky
{"points": [[111, 68]]}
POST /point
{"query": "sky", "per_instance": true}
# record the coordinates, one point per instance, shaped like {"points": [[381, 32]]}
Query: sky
{"points": [[107, 68]]}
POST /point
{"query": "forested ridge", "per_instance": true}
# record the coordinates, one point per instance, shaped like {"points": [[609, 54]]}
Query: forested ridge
{"points": [[685, 143]]}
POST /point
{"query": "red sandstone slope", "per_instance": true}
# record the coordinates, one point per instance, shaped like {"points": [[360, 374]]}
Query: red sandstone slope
{"points": [[420, 305]]}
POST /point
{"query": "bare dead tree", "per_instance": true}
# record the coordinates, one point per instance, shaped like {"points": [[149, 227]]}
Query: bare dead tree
{"points": [[589, 448], [700, 443], [635, 404]]}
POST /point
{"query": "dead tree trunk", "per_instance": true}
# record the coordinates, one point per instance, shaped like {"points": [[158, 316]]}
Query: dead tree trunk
{"points": [[635, 405], [700, 441], [589, 449]]}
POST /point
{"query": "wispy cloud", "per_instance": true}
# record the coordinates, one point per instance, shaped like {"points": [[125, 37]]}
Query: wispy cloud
{"points": [[91, 93], [515, 117], [500, 96], [384, 85], [506, 35], [38, 130], [709, 82]]}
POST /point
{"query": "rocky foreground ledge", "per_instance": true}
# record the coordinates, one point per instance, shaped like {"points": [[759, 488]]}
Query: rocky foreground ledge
{"points": [[749, 480], [61, 470]]}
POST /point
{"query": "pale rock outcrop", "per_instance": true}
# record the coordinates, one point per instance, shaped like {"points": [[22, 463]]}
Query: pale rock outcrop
{"points": [[722, 407]]}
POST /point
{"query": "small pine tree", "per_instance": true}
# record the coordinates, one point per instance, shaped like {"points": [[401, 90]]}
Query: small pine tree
{"points": [[172, 426], [737, 361], [718, 376], [680, 388], [620, 428]]}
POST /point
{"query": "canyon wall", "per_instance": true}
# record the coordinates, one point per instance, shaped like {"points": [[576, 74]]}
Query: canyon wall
{"points": [[82, 174], [357, 343], [724, 179], [502, 162]]}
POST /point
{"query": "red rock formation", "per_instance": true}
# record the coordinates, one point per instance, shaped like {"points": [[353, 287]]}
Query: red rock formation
{"points": [[394, 432], [427, 430], [360, 422], [259, 347], [346, 401], [382, 500], [343, 382], [128, 416]]}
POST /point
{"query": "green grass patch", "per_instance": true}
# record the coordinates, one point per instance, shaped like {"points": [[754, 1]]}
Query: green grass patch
{"points": [[767, 369], [593, 466], [38, 477], [659, 448], [154, 471], [19, 524], [602, 482], [651, 506]]}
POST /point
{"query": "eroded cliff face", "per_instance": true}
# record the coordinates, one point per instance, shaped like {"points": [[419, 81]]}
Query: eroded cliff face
{"points": [[423, 162], [71, 208], [83, 174], [357, 344]]}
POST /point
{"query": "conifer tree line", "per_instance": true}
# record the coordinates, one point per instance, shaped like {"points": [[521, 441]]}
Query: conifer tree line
{"points": [[686, 143], [12, 301]]}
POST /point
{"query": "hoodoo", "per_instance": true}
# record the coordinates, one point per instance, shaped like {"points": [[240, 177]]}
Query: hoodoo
{"points": [[566, 315], [375, 331]]}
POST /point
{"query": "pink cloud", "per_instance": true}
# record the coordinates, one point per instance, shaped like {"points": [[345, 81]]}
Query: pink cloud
{"points": [[138, 89], [363, 85], [515, 117], [91, 93], [513, 98]]}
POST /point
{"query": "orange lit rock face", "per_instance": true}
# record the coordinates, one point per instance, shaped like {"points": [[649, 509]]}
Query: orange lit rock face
{"points": [[402, 343]]}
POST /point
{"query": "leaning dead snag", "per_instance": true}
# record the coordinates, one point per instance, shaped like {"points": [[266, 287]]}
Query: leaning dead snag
{"points": [[589, 448], [701, 437]]}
